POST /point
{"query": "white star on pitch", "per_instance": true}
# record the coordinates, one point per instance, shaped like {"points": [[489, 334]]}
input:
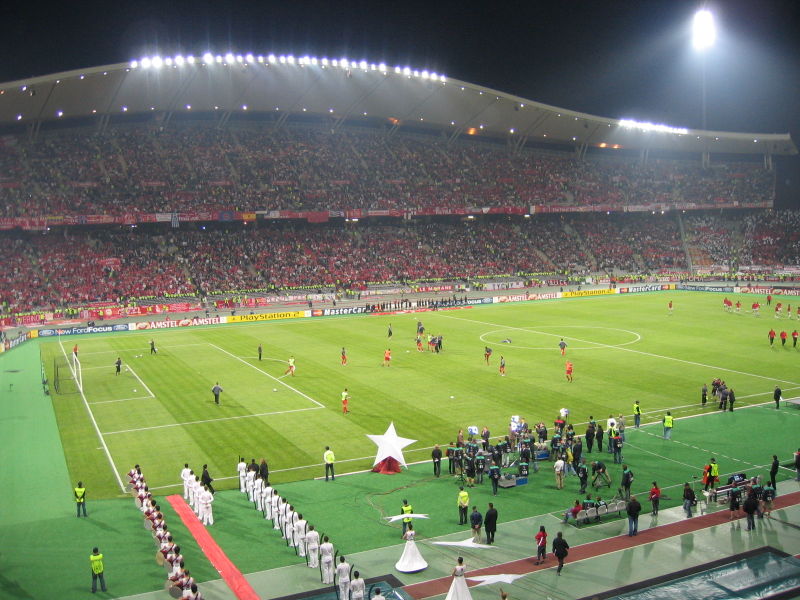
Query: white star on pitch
{"points": [[489, 579], [390, 445]]}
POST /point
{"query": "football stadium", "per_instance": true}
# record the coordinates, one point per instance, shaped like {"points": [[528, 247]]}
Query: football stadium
{"points": [[303, 327]]}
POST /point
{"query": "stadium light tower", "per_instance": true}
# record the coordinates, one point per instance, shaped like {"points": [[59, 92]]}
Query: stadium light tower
{"points": [[704, 33]]}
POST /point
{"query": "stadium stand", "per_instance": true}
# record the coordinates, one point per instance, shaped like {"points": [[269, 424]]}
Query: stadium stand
{"points": [[144, 168]]}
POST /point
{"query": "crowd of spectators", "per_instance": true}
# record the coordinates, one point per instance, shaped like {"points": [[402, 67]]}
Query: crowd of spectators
{"points": [[188, 166], [69, 267], [761, 238]]}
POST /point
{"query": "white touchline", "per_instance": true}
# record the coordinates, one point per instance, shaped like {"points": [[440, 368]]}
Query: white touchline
{"points": [[94, 422], [123, 400], [149, 391], [122, 350], [295, 390], [278, 412], [688, 362]]}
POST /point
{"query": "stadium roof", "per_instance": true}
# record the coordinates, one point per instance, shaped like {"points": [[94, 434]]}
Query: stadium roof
{"points": [[344, 91]]}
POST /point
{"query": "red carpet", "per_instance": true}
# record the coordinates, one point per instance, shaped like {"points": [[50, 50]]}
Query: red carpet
{"points": [[434, 587], [227, 570]]}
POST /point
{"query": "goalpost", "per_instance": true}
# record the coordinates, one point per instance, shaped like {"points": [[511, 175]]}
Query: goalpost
{"points": [[66, 370], [77, 371]]}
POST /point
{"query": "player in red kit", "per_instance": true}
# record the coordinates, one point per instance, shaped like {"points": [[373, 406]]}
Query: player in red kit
{"points": [[771, 336], [344, 356], [738, 306], [794, 338], [769, 299], [755, 308], [487, 354], [778, 310], [387, 358], [568, 369], [783, 338], [670, 307], [419, 344]]}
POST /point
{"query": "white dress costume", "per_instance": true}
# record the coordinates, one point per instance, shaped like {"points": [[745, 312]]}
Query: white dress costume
{"points": [[411, 561], [458, 589]]}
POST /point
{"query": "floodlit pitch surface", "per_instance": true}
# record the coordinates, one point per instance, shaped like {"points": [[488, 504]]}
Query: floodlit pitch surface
{"points": [[159, 412]]}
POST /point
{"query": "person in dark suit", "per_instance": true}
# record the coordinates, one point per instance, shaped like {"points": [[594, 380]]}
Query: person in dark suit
{"points": [[263, 470], [776, 395], [206, 479], [490, 523], [560, 550], [436, 457], [773, 470]]}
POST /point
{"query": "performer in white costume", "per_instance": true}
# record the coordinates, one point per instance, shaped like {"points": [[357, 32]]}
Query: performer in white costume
{"points": [[458, 589], [411, 561]]}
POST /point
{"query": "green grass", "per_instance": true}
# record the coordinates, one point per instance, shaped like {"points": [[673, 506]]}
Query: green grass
{"points": [[623, 348]]}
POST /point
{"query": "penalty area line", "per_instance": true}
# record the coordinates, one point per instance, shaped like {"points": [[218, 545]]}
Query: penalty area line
{"points": [[241, 360], [643, 353], [168, 425]]}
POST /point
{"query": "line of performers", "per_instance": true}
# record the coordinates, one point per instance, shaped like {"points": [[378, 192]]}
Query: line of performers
{"points": [[179, 582], [299, 534]]}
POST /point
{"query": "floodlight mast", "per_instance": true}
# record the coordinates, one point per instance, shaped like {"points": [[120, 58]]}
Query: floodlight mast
{"points": [[704, 34]]}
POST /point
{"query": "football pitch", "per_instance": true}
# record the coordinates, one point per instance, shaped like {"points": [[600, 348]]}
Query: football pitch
{"points": [[159, 411]]}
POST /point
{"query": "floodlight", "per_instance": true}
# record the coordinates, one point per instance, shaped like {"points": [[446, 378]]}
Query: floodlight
{"points": [[398, 70], [425, 74], [290, 59], [190, 59], [260, 59], [218, 59], [229, 58], [324, 62], [239, 58], [208, 58], [407, 71], [703, 30], [134, 64], [282, 60], [168, 61], [271, 58], [363, 64], [179, 60], [249, 58], [382, 67], [60, 113], [344, 62], [157, 62], [146, 63], [19, 117], [314, 61]]}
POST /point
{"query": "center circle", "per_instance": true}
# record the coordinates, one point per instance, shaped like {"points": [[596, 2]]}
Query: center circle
{"points": [[534, 338]]}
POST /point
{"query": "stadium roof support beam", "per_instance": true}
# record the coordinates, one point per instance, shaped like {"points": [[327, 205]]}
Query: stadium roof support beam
{"points": [[297, 103], [354, 104], [113, 97], [472, 118], [222, 120], [519, 143], [414, 110], [531, 129]]}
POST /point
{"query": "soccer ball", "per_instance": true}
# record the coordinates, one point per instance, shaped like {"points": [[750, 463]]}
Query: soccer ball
{"points": [[452, 397], [135, 391], [274, 389]]}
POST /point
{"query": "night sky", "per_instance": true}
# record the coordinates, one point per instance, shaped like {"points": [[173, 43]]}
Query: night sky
{"points": [[630, 59]]}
